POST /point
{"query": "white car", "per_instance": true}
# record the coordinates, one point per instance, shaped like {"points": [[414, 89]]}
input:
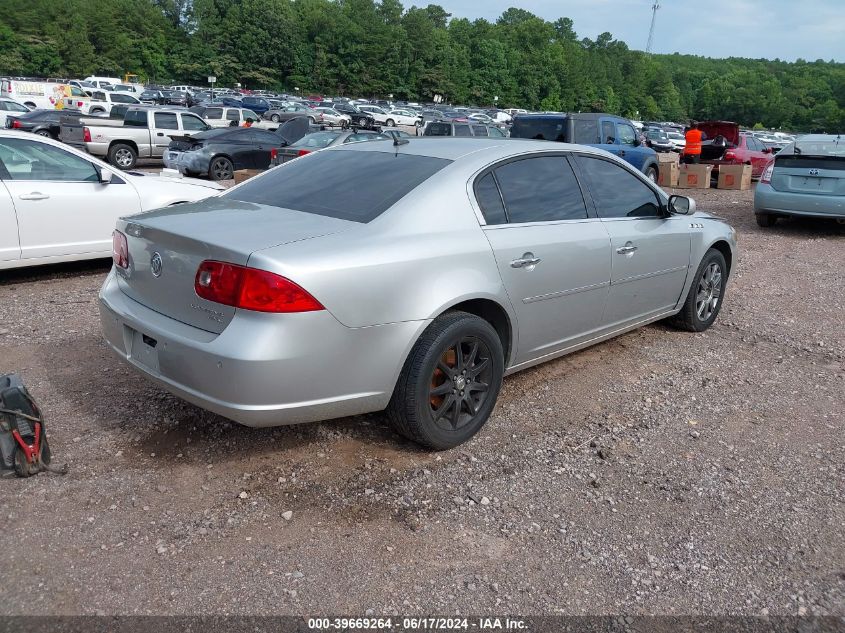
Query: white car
{"points": [[400, 116], [58, 204], [10, 106], [333, 117], [381, 117], [102, 101], [678, 140]]}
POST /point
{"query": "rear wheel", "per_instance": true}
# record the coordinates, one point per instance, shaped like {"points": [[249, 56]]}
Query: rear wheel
{"points": [[765, 220], [450, 382], [44, 133], [221, 168], [706, 294], [123, 156], [651, 174], [275, 118], [390, 123]]}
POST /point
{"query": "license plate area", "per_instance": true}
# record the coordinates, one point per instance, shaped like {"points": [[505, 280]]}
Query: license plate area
{"points": [[145, 351]]}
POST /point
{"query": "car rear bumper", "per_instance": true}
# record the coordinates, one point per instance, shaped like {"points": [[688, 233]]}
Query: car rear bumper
{"points": [[769, 200], [262, 370]]}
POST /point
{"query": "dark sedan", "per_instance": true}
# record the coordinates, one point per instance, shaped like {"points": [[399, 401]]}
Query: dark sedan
{"points": [[659, 141], [359, 117], [220, 152], [155, 97], [41, 122]]}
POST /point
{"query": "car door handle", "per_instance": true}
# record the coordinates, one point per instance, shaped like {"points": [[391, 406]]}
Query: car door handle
{"points": [[526, 261], [621, 152], [624, 250], [160, 134], [35, 195]]}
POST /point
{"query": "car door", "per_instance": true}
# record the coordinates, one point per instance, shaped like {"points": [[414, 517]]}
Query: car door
{"points": [[553, 257], [164, 124], [263, 144], [755, 154], [10, 246], [630, 148], [650, 252], [62, 208]]}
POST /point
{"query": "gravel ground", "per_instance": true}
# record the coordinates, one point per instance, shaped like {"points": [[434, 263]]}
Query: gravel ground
{"points": [[659, 473]]}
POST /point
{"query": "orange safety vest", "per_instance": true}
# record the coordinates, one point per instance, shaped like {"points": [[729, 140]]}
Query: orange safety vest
{"points": [[693, 146]]}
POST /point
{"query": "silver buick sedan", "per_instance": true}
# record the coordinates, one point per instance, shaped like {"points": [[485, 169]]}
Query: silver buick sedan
{"points": [[454, 262]]}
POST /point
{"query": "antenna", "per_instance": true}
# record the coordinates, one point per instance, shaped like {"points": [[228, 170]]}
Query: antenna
{"points": [[651, 30]]}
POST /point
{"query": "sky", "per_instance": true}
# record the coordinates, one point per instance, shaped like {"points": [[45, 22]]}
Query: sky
{"points": [[784, 29]]}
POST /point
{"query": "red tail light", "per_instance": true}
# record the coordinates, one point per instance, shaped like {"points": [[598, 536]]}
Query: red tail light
{"points": [[86, 135], [119, 250], [766, 178], [274, 154], [303, 152], [251, 289], [16, 124], [729, 155]]}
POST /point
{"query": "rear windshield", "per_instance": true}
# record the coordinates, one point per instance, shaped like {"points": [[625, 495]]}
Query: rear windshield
{"points": [[352, 194], [542, 129], [317, 139], [834, 146]]}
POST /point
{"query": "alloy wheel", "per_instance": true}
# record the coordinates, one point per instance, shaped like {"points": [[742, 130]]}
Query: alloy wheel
{"points": [[460, 383], [709, 291], [221, 169], [123, 158]]}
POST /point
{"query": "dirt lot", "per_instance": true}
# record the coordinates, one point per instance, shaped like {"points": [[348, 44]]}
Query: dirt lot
{"points": [[662, 472]]}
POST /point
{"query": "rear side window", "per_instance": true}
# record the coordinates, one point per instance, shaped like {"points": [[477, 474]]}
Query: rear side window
{"points": [[617, 192], [233, 115], [213, 114], [487, 194], [608, 132], [479, 130], [462, 130], [438, 129], [166, 121], [135, 118], [544, 129], [300, 184], [586, 131], [540, 189]]}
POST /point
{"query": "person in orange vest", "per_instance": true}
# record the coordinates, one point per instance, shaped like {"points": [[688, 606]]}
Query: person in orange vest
{"points": [[692, 150]]}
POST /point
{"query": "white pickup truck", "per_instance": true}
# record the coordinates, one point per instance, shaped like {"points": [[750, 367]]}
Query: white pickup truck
{"points": [[144, 132], [234, 117], [101, 101]]}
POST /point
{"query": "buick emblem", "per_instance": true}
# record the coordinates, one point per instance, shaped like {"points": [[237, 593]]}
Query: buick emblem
{"points": [[814, 172], [156, 265]]}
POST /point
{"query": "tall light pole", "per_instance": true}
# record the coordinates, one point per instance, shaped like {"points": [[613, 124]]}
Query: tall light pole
{"points": [[651, 30]]}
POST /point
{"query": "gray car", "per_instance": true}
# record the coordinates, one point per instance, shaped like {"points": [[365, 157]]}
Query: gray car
{"points": [[806, 179], [298, 296]]}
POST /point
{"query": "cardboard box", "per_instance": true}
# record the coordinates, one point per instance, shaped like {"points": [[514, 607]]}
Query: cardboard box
{"points": [[246, 174], [694, 176], [734, 177], [668, 157], [668, 175]]}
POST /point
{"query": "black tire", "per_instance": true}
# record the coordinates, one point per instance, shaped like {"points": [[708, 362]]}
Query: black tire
{"points": [[691, 317], [123, 156], [275, 118], [221, 168], [390, 123], [651, 174], [444, 420], [766, 220], [45, 133]]}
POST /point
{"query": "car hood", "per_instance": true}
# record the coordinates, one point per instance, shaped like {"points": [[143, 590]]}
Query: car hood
{"points": [[728, 129]]}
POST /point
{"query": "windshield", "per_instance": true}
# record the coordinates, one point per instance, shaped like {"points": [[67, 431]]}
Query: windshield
{"points": [[300, 184]]}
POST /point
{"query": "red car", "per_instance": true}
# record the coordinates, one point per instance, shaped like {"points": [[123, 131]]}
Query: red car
{"points": [[725, 145]]}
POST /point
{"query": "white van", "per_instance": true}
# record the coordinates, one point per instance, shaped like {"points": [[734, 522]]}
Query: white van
{"points": [[102, 82], [44, 95]]}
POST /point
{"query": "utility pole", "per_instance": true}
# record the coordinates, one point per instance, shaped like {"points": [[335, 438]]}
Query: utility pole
{"points": [[651, 30]]}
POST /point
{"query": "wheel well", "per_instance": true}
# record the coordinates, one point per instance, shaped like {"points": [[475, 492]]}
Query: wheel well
{"points": [[29, 104], [725, 250], [129, 143], [495, 315]]}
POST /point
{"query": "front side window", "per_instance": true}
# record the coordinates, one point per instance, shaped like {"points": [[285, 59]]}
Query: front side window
{"points": [[249, 114], [617, 192], [627, 136], [30, 160], [166, 121], [608, 132], [193, 123], [540, 189]]}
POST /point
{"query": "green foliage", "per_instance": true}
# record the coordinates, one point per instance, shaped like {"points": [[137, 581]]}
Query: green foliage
{"points": [[377, 47]]}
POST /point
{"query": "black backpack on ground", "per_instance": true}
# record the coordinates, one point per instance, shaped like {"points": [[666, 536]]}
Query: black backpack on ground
{"points": [[23, 437]]}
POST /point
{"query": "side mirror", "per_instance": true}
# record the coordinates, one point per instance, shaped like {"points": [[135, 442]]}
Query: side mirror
{"points": [[767, 150], [681, 205], [104, 176]]}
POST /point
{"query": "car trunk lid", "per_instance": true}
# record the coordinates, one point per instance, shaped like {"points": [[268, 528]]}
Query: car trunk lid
{"points": [[720, 136], [824, 175], [182, 237]]}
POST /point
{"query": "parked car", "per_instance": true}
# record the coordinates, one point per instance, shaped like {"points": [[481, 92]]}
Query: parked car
{"points": [[43, 94], [258, 309], [805, 179], [256, 104], [334, 118], [402, 116], [58, 204], [605, 131], [358, 117], [293, 111], [102, 101], [327, 138], [446, 128], [232, 117], [144, 133], [219, 153], [725, 145], [153, 97], [659, 141], [41, 122], [103, 82], [678, 140], [176, 97], [10, 106]]}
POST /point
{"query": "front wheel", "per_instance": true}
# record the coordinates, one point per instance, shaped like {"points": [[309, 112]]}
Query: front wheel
{"points": [[651, 174], [706, 294], [449, 383], [390, 123], [44, 133], [275, 118]]}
